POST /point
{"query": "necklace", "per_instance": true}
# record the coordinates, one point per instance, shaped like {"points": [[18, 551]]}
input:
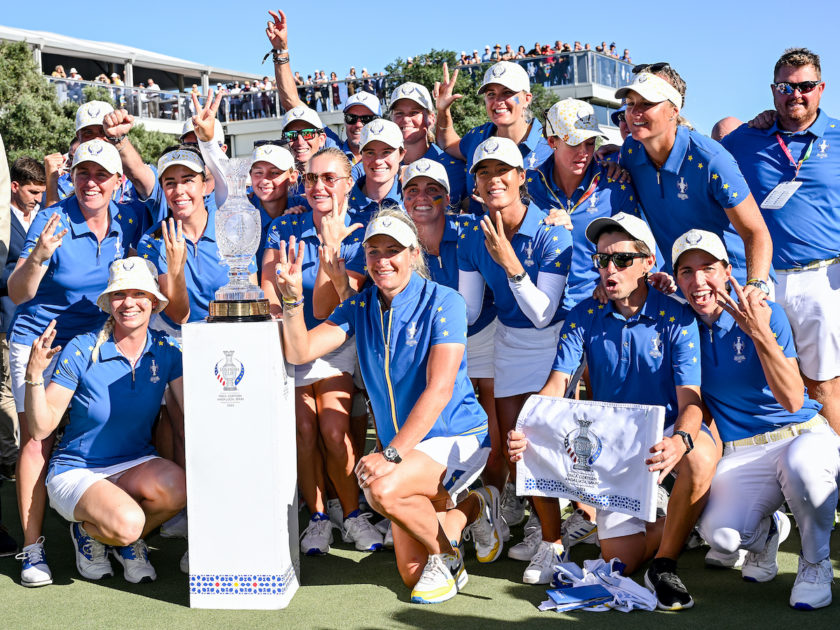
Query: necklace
{"points": [[132, 360]]}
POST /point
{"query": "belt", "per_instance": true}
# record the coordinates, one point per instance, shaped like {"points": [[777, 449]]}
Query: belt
{"points": [[817, 264], [784, 433]]}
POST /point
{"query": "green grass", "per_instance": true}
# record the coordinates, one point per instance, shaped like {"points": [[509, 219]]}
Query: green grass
{"points": [[348, 589]]}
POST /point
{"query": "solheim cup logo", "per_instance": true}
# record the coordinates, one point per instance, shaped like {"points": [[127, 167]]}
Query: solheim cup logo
{"points": [[229, 371], [423, 166], [377, 128], [582, 445], [497, 71], [491, 146]]}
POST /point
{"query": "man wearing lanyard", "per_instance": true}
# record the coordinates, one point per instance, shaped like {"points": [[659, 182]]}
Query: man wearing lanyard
{"points": [[793, 170]]}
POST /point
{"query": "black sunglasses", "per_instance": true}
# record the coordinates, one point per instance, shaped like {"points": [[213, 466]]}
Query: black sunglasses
{"points": [[277, 143], [352, 119], [620, 116], [786, 87], [306, 134], [621, 260], [650, 67]]}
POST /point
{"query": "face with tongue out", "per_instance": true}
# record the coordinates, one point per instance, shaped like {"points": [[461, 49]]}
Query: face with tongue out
{"points": [[699, 276]]}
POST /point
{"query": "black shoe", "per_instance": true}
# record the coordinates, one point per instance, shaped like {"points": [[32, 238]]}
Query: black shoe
{"points": [[8, 545], [661, 579]]}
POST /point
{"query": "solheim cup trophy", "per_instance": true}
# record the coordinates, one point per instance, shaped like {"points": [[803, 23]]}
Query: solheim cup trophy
{"points": [[238, 237]]}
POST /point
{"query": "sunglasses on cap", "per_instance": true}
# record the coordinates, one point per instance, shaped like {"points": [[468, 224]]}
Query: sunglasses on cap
{"points": [[786, 87], [650, 67], [275, 143], [352, 119], [620, 117], [621, 260], [329, 179], [306, 134]]}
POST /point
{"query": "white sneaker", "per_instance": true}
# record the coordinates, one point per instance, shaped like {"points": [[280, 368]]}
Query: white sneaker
{"points": [[541, 568], [34, 571], [722, 560], [91, 555], [578, 529], [359, 531], [485, 529], [761, 566], [438, 583], [184, 565], [525, 550], [336, 513], [317, 537], [513, 507], [175, 527], [812, 588], [135, 561], [504, 530], [533, 522]]}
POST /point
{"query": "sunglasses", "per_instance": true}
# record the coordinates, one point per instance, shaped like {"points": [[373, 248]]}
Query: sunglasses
{"points": [[650, 67], [329, 179], [786, 87], [275, 143], [621, 260], [620, 117], [306, 134], [352, 119]]}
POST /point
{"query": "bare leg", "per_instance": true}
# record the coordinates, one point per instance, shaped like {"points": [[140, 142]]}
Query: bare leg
{"points": [[310, 463], [31, 475], [495, 470], [333, 398]]}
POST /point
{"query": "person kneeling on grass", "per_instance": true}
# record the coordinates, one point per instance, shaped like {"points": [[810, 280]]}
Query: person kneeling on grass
{"points": [[410, 335], [105, 476]]}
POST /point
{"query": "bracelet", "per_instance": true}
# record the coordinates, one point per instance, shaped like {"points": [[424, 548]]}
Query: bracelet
{"points": [[115, 140], [275, 53], [289, 304], [34, 383], [443, 128], [279, 61]]}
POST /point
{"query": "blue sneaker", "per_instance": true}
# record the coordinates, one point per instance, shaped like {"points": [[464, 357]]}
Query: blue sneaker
{"points": [[91, 555], [135, 561], [35, 571]]}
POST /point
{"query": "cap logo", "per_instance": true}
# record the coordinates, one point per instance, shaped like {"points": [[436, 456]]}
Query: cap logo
{"points": [[641, 78], [584, 117], [296, 113], [491, 146], [692, 238], [377, 128], [497, 71], [423, 166], [268, 150], [93, 111], [95, 149], [128, 265], [386, 222]]}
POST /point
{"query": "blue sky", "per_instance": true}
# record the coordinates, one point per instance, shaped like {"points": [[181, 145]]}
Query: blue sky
{"points": [[724, 50]]}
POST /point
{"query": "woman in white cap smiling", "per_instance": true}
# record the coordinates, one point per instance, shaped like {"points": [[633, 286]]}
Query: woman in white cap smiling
{"points": [[105, 476], [382, 153], [507, 95], [63, 266], [410, 334]]}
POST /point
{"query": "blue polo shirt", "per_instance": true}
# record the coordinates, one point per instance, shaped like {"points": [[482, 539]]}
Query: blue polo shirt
{"points": [[114, 406], [362, 207], [443, 269], [393, 349], [607, 198], [204, 270], [534, 149], [806, 228], [735, 388], [639, 360], [265, 223], [540, 248], [697, 184], [302, 227], [77, 273]]}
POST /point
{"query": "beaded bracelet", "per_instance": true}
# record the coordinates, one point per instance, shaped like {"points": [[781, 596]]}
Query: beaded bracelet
{"points": [[34, 383], [276, 54], [289, 304]]}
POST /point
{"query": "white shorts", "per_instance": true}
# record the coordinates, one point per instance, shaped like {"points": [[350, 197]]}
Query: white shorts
{"points": [[342, 359], [811, 300], [464, 458], [480, 352], [616, 524], [524, 357], [66, 489], [18, 359]]}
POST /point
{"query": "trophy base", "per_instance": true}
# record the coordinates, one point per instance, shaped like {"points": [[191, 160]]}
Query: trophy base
{"points": [[239, 311]]}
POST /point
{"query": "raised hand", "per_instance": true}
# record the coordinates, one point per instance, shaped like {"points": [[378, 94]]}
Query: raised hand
{"points": [[277, 30], [764, 120], [499, 246], [118, 123], [333, 265], [289, 276], [205, 118], [176, 245], [54, 164], [333, 231], [663, 282], [751, 312], [443, 91], [48, 242], [558, 216], [42, 353]]}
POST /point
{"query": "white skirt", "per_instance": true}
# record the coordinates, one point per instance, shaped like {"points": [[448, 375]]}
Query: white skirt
{"points": [[340, 360], [481, 351], [524, 357]]}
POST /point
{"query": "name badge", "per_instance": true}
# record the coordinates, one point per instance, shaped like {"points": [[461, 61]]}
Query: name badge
{"points": [[779, 196]]}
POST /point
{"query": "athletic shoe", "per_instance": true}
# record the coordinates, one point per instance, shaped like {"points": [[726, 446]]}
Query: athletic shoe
{"points": [[577, 529], [812, 588], [504, 529], [662, 498], [513, 507], [8, 545], [358, 530], [533, 522], [388, 540], [662, 580], [34, 571], [437, 584], [91, 555], [184, 565], [135, 561], [317, 537], [694, 541], [525, 550], [175, 527], [722, 560], [336, 513], [541, 568], [761, 566], [485, 529]]}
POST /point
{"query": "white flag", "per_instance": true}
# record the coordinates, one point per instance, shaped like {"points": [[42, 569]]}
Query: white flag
{"points": [[592, 452]]}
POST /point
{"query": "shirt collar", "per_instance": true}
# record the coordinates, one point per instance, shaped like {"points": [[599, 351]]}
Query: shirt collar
{"points": [[649, 309], [533, 219], [535, 134], [678, 151], [414, 286], [393, 195], [816, 129], [78, 224], [108, 349]]}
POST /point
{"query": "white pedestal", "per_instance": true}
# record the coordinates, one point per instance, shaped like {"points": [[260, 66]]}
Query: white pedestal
{"points": [[241, 467]]}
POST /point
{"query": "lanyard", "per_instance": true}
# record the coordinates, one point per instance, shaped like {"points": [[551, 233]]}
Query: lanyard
{"points": [[794, 163], [586, 195]]}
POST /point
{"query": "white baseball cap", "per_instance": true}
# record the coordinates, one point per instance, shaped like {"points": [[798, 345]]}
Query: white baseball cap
{"points": [[365, 99], [218, 132], [509, 74], [92, 113], [132, 273], [396, 228], [634, 226], [413, 92], [190, 159], [304, 113], [273, 154], [708, 242], [573, 121], [384, 131], [425, 167], [502, 149], [651, 88], [103, 153]]}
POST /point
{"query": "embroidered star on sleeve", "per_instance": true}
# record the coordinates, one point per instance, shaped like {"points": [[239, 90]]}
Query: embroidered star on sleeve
{"points": [[700, 165], [690, 158], [590, 311], [78, 353], [690, 344], [662, 313], [672, 319], [440, 308], [442, 320], [445, 333], [734, 195], [726, 186], [362, 303], [572, 325], [684, 332], [694, 359]]}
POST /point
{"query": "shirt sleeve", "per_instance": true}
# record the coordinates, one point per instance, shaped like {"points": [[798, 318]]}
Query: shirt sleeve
{"points": [[466, 245], [175, 358], [152, 249], [354, 255], [780, 325], [449, 320], [685, 354], [727, 184], [216, 162], [344, 315], [71, 365], [34, 233], [570, 346], [471, 287], [556, 254]]}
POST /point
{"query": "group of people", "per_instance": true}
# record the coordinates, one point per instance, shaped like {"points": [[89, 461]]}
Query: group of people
{"points": [[539, 50], [434, 282]]}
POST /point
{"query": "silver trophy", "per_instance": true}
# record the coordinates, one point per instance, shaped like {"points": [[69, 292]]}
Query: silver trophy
{"points": [[238, 230]]}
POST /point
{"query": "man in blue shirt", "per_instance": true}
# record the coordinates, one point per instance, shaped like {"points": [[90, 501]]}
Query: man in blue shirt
{"points": [[793, 169]]}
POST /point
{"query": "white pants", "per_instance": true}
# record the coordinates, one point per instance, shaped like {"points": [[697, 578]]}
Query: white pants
{"points": [[752, 481]]}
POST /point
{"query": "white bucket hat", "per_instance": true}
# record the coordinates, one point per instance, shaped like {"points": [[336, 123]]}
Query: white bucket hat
{"points": [[132, 273]]}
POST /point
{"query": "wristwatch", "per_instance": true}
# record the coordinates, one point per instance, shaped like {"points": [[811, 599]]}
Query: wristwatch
{"points": [[689, 443], [761, 285], [517, 278], [391, 454]]}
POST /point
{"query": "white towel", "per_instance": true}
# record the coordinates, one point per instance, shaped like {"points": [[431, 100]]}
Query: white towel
{"points": [[628, 595]]}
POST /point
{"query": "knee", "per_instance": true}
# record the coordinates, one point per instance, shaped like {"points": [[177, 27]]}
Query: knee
{"points": [[171, 488], [382, 495], [721, 539], [307, 434], [700, 467], [127, 525], [335, 438]]}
